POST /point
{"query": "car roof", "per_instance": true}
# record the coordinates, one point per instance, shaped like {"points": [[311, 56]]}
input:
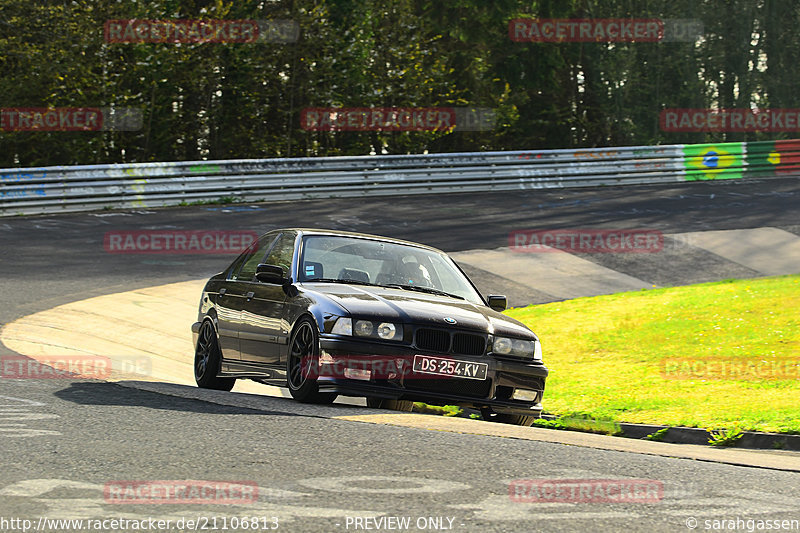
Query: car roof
{"points": [[330, 232]]}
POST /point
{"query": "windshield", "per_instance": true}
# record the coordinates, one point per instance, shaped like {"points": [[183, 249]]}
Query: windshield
{"points": [[367, 261]]}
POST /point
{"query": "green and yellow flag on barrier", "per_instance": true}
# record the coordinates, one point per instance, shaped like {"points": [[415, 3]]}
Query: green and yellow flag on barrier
{"points": [[762, 158], [768, 158], [713, 161]]}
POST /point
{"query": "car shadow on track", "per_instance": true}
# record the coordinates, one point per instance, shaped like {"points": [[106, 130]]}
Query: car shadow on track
{"points": [[114, 394]]}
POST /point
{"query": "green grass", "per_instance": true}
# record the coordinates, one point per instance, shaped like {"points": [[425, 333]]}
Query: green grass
{"points": [[725, 437], [607, 354], [658, 435], [580, 423], [444, 410]]}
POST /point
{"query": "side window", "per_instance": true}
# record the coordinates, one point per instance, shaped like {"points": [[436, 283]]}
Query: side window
{"points": [[281, 254], [245, 269]]}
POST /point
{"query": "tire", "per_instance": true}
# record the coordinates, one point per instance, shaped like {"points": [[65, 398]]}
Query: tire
{"points": [[301, 365], [405, 406], [207, 359], [502, 418]]}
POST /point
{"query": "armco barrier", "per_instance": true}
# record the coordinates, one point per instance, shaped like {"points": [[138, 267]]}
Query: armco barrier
{"points": [[91, 187]]}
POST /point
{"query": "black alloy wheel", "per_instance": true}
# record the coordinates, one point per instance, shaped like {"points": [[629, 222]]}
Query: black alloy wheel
{"points": [[207, 359], [302, 365]]}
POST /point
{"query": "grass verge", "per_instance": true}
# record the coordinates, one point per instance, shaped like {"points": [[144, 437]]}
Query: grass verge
{"points": [[444, 410], [715, 355]]}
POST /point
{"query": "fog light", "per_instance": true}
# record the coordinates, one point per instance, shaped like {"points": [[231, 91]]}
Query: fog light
{"points": [[357, 373], [525, 395]]}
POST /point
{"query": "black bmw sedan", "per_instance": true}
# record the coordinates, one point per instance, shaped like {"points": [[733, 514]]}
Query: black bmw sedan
{"points": [[329, 313]]}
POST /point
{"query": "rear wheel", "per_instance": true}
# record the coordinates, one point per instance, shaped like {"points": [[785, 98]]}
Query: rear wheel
{"points": [[394, 405], [302, 365], [207, 359], [517, 420]]}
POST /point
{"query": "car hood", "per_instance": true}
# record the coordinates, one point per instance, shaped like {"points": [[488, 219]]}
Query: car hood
{"points": [[419, 308]]}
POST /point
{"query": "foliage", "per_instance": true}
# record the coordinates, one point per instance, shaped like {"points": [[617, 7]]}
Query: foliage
{"points": [[549, 423], [660, 356], [444, 410], [657, 436], [580, 422], [725, 437], [243, 100]]}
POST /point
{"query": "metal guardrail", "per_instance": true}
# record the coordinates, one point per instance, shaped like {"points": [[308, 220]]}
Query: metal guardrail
{"points": [[93, 187]]}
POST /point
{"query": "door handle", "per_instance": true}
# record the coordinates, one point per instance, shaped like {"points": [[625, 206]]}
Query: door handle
{"points": [[250, 295], [222, 291]]}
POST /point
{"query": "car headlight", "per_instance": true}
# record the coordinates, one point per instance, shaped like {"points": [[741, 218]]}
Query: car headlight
{"points": [[364, 328], [503, 346], [367, 328], [343, 326], [381, 330], [388, 331], [516, 348]]}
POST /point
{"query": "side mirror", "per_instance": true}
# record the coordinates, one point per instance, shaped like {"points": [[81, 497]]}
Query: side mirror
{"points": [[497, 302], [270, 274]]}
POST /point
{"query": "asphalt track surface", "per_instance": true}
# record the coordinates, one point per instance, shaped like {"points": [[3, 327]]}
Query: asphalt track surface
{"points": [[63, 441]]}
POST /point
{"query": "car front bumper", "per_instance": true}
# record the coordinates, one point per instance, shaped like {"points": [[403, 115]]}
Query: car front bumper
{"points": [[364, 368]]}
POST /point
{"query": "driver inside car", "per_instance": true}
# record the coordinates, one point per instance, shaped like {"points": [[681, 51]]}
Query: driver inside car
{"points": [[414, 273]]}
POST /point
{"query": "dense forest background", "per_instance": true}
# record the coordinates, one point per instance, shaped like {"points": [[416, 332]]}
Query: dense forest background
{"points": [[243, 100]]}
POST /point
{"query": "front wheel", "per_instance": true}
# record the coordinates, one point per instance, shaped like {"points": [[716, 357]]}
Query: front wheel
{"points": [[395, 405], [302, 365], [517, 420], [207, 359]]}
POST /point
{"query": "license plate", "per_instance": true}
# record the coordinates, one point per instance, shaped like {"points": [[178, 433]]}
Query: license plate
{"points": [[449, 367]]}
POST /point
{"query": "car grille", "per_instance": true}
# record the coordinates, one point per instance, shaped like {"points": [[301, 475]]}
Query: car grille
{"points": [[470, 388], [466, 344], [442, 341], [435, 340]]}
